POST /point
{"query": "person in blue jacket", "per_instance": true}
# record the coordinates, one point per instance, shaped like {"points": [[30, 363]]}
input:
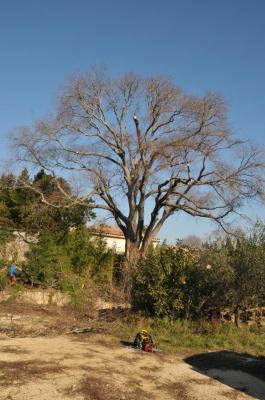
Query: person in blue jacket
{"points": [[12, 273]]}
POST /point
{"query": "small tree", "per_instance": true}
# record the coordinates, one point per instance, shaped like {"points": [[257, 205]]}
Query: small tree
{"points": [[90, 256], [46, 262]]}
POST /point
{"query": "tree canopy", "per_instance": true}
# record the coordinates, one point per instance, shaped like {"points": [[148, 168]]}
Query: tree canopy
{"points": [[143, 144]]}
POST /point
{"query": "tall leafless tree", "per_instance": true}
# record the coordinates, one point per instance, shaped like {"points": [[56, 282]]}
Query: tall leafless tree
{"points": [[145, 145]]}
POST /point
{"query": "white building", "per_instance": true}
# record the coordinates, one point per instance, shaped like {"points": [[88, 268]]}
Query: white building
{"points": [[114, 237]]}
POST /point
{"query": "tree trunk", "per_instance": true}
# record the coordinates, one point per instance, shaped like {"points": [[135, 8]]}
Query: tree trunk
{"points": [[237, 317], [132, 253], [132, 256]]}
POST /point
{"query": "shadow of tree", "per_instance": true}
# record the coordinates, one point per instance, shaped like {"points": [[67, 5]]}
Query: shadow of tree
{"points": [[240, 371], [21, 372]]}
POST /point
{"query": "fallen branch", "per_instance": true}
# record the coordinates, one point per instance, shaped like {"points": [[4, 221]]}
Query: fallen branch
{"points": [[88, 329]]}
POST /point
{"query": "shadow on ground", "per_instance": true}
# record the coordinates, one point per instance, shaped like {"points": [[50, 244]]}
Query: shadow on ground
{"points": [[127, 344], [239, 371]]}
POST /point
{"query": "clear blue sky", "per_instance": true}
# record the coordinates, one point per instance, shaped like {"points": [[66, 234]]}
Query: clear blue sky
{"points": [[203, 44]]}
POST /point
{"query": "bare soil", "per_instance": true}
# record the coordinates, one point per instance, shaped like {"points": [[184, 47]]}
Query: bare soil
{"points": [[93, 366]]}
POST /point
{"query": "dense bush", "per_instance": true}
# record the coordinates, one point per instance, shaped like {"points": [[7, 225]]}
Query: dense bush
{"points": [[161, 279], [183, 282], [90, 256], [70, 263], [46, 262]]}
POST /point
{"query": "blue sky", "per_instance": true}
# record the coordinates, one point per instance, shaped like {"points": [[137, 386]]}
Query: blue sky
{"points": [[202, 44]]}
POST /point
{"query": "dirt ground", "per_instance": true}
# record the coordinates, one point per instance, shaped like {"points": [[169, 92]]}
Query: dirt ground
{"points": [[99, 367]]}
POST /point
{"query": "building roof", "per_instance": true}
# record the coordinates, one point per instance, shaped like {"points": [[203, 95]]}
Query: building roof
{"points": [[106, 230], [111, 231]]}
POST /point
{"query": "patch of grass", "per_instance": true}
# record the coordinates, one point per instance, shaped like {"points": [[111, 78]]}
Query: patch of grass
{"points": [[181, 336]]}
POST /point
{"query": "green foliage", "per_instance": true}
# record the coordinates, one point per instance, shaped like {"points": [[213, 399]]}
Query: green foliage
{"points": [[22, 207], [69, 264], [89, 255], [103, 265], [79, 248], [5, 236], [189, 336], [169, 282], [200, 335], [77, 287], [159, 281], [249, 267], [214, 279], [182, 282], [46, 263]]}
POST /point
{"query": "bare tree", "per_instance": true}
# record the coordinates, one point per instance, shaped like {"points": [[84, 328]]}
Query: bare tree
{"points": [[192, 241], [147, 151]]}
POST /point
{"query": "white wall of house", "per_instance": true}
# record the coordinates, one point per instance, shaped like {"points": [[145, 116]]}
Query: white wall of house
{"points": [[118, 244]]}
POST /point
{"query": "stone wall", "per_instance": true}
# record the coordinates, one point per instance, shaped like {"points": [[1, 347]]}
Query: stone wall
{"points": [[40, 297], [52, 296]]}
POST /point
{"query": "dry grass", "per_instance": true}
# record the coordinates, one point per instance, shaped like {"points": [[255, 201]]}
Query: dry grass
{"points": [[21, 372], [13, 350], [33, 320], [95, 388]]}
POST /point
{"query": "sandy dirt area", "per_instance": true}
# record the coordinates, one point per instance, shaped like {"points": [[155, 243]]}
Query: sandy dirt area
{"points": [[99, 367]]}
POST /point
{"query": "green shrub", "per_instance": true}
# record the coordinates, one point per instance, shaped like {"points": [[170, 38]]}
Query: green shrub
{"points": [[89, 256], [46, 262], [183, 283], [77, 265]]}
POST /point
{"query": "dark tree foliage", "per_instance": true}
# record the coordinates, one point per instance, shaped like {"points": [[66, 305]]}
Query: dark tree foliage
{"points": [[46, 262], [22, 208], [89, 255], [50, 263], [249, 267]]}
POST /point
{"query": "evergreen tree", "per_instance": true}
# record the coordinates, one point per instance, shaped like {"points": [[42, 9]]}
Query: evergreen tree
{"points": [[46, 263], [22, 207]]}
